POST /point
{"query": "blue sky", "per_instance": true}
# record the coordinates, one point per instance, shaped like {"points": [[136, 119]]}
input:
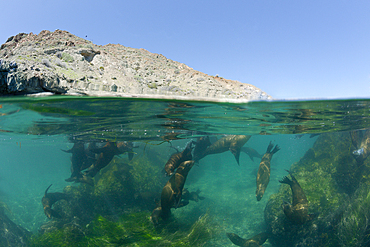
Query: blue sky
{"points": [[289, 49]]}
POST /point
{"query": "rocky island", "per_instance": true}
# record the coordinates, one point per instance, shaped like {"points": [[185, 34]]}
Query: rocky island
{"points": [[61, 63]]}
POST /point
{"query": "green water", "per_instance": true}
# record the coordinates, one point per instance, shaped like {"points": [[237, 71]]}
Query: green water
{"points": [[34, 131]]}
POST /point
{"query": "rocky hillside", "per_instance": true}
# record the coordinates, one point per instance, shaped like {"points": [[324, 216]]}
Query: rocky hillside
{"points": [[60, 62]]}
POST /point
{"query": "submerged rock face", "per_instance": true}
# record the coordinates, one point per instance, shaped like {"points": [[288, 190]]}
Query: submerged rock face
{"points": [[337, 190], [60, 62], [10, 233]]}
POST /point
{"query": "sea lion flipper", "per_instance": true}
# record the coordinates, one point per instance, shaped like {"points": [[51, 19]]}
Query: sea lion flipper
{"points": [[236, 239], [286, 180], [277, 148], [269, 147]]}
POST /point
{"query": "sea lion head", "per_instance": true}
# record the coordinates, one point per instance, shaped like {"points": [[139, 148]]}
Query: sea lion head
{"points": [[155, 215], [287, 208], [185, 166], [259, 192], [48, 212]]}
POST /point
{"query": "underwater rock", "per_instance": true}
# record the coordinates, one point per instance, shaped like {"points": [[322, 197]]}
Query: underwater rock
{"points": [[11, 234], [320, 173]]}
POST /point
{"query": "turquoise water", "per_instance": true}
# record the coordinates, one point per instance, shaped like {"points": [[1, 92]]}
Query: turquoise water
{"points": [[34, 131]]}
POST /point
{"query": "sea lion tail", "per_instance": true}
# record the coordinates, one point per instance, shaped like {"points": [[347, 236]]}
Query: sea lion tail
{"points": [[46, 191], [236, 239]]}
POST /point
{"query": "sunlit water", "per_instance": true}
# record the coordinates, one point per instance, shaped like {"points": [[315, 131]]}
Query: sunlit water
{"points": [[34, 131]]}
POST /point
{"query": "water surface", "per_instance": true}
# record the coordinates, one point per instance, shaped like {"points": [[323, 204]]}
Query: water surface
{"points": [[34, 131]]}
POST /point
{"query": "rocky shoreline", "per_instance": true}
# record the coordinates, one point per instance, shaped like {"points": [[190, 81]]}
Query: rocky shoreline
{"points": [[61, 63]]}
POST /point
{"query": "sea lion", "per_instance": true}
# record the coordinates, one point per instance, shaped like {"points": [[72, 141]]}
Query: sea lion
{"points": [[193, 196], [251, 152], [297, 212], [124, 147], [78, 159], [177, 158], [172, 191], [256, 241], [106, 155], [49, 199], [230, 142], [263, 174], [201, 145], [361, 144]]}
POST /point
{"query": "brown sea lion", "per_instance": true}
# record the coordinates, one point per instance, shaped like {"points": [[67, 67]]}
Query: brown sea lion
{"points": [[193, 196], [172, 191], [251, 152], [201, 145], [361, 144], [49, 199], [256, 241], [297, 212], [78, 159], [177, 158], [126, 147], [230, 142], [263, 174], [106, 155]]}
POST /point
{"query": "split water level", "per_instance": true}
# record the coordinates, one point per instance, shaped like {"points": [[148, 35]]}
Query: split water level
{"points": [[111, 164]]}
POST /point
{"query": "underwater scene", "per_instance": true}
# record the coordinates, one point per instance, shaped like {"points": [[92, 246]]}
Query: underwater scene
{"points": [[87, 171]]}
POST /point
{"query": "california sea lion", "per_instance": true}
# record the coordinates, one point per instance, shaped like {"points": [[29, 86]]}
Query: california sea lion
{"points": [[231, 142], [177, 158], [256, 241], [124, 147], [297, 212], [106, 155], [200, 147], [361, 143], [194, 196], [251, 152], [78, 159], [263, 174], [49, 199], [172, 191]]}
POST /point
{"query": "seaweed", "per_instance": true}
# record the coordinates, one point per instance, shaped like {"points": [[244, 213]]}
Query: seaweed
{"points": [[134, 229]]}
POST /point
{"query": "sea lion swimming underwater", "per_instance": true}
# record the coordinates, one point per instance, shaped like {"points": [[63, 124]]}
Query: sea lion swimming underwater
{"points": [[78, 159], [263, 174], [49, 199], [255, 241], [193, 196], [230, 142], [172, 192], [297, 212], [177, 158], [106, 155], [361, 144], [201, 145], [251, 152]]}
